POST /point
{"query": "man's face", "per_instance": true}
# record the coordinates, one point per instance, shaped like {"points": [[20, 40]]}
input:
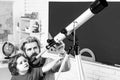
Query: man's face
{"points": [[31, 49]]}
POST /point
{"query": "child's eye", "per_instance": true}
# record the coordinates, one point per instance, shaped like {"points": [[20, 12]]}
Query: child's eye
{"points": [[25, 60], [20, 62]]}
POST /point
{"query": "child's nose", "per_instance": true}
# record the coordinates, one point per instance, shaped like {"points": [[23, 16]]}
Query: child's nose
{"points": [[24, 62]]}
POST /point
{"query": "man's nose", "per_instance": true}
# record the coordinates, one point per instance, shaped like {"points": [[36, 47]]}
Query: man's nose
{"points": [[33, 50]]}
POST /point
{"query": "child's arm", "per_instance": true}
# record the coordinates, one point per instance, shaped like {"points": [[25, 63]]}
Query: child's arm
{"points": [[48, 66]]}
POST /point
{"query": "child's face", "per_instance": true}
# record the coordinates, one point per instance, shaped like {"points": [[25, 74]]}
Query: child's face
{"points": [[22, 65]]}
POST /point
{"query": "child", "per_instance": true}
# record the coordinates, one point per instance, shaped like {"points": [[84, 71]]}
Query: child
{"points": [[21, 70]]}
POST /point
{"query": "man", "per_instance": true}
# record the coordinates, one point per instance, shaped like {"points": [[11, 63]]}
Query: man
{"points": [[31, 48]]}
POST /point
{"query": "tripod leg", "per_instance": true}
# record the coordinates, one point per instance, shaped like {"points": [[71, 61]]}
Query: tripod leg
{"points": [[80, 70], [62, 65]]}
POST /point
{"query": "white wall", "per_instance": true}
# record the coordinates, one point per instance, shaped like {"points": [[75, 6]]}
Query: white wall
{"points": [[16, 7], [20, 7]]}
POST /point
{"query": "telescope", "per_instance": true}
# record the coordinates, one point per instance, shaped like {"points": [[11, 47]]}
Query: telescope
{"points": [[94, 9]]}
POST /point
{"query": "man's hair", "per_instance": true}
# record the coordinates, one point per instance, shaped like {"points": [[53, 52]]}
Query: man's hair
{"points": [[13, 63], [29, 39]]}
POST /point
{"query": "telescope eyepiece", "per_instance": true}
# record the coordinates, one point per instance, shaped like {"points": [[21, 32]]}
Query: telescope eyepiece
{"points": [[98, 6]]}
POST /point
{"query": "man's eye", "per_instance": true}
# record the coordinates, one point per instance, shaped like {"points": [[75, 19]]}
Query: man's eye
{"points": [[35, 47], [29, 49]]}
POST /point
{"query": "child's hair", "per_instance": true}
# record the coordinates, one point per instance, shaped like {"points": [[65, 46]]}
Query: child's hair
{"points": [[13, 63]]}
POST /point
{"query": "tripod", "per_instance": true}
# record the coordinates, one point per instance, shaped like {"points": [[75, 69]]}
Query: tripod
{"points": [[79, 66], [76, 47], [76, 52], [95, 8]]}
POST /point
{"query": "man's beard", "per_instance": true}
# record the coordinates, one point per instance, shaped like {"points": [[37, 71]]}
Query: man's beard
{"points": [[36, 62], [32, 58], [33, 55]]}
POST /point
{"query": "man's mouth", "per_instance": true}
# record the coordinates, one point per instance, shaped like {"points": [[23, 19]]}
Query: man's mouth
{"points": [[34, 54]]}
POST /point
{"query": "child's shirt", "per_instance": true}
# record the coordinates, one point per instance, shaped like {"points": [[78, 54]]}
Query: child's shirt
{"points": [[35, 74]]}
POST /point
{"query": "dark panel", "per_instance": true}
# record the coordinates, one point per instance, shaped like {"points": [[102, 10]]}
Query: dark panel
{"points": [[100, 33]]}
